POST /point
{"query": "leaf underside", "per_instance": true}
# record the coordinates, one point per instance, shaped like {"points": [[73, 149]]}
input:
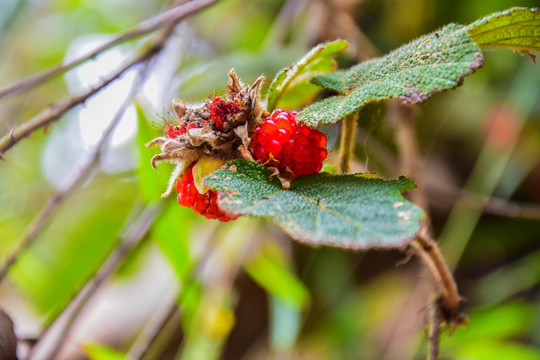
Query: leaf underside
{"points": [[355, 211], [517, 29], [436, 62]]}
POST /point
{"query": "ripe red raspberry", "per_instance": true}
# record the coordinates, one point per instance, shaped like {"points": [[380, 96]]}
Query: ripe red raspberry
{"points": [[204, 204], [291, 145]]}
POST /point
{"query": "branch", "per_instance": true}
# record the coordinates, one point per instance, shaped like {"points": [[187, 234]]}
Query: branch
{"points": [[483, 203], [152, 331], [434, 333], [73, 179], [54, 112], [170, 16], [446, 307], [450, 299], [132, 238]]}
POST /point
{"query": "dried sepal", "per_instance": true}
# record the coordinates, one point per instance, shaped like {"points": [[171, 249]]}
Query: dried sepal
{"points": [[218, 129]]}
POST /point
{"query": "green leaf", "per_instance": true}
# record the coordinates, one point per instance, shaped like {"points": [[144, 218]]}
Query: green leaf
{"points": [[517, 29], [316, 62], [171, 232], [270, 270], [285, 325], [349, 211], [102, 352], [430, 64], [497, 350], [73, 245]]}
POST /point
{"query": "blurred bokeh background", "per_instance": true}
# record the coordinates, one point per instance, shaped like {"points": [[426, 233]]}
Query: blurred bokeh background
{"points": [[181, 286]]}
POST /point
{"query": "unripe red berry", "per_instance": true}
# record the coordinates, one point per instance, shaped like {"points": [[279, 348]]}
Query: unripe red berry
{"points": [[284, 143], [204, 204]]}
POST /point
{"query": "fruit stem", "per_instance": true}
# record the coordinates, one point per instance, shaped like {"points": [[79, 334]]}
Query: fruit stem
{"points": [[348, 134]]}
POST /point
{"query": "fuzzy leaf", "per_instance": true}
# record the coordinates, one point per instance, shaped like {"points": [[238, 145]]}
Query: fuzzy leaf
{"points": [[316, 62], [354, 211], [436, 62], [517, 29]]}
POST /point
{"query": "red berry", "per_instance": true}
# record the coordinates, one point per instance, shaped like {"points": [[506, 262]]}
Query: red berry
{"points": [[293, 145], [204, 204], [174, 130], [222, 110]]}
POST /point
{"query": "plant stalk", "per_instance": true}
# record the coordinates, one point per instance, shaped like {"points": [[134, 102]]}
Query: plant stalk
{"points": [[348, 134]]}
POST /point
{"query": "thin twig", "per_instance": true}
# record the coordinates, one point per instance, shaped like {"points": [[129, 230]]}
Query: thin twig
{"points": [[70, 183], [54, 112], [78, 174], [132, 238], [152, 331], [434, 332], [447, 305], [170, 16], [348, 134], [429, 251], [489, 205]]}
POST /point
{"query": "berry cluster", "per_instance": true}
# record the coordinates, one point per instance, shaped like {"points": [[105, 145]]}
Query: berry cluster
{"points": [[204, 204], [282, 142], [229, 127]]}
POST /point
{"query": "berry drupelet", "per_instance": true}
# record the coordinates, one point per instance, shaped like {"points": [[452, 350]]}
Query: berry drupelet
{"points": [[204, 204], [285, 144]]}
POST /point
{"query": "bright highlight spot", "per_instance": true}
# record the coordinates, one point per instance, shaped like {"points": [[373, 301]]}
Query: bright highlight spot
{"points": [[99, 110]]}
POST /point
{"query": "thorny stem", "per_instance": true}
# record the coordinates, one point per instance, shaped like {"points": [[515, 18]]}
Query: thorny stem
{"points": [[170, 16], [348, 134]]}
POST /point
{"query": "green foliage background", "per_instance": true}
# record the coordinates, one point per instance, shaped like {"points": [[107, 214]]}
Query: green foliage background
{"points": [[244, 289]]}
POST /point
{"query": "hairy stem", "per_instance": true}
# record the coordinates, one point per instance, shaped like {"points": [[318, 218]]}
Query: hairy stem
{"points": [[348, 134], [430, 253]]}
